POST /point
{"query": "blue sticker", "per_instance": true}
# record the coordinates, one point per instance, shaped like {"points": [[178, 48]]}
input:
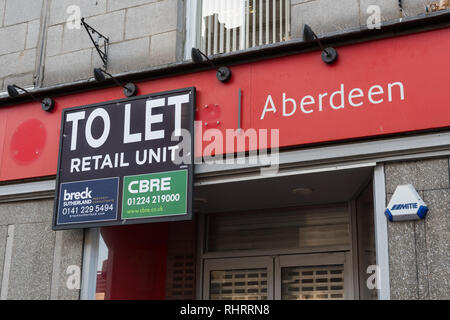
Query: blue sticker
{"points": [[88, 201], [422, 212], [388, 214]]}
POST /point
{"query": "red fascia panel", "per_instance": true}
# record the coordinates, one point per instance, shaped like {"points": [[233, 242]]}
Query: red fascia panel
{"points": [[418, 61]]}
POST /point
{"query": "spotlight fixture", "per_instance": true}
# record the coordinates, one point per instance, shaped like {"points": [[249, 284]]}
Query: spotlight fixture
{"points": [[129, 90], [329, 54], [223, 73], [47, 103]]}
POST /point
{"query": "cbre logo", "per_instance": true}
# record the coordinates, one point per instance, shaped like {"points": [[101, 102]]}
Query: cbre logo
{"points": [[86, 194]]}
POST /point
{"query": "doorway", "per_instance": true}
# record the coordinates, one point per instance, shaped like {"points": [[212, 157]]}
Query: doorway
{"points": [[262, 240]]}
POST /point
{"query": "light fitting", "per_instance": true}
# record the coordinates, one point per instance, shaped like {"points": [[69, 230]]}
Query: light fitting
{"points": [[329, 54], [47, 103], [129, 90], [223, 73]]}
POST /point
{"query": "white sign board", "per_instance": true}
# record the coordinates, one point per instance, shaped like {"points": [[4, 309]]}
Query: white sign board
{"points": [[406, 204]]}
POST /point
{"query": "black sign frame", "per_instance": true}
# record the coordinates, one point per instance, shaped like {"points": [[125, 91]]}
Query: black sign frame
{"points": [[119, 221]]}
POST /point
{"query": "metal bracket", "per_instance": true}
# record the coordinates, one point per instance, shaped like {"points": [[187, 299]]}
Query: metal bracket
{"points": [[102, 53], [240, 111]]}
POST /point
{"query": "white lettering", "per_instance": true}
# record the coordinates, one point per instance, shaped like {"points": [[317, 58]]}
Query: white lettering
{"points": [[351, 96], [402, 90], [304, 102], [127, 136], [75, 165], [321, 95], [178, 101], [150, 119], [98, 113], [294, 106], [372, 92], [74, 118], [341, 93], [272, 109]]}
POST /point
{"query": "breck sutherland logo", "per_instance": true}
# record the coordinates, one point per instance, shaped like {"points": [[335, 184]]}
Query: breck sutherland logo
{"points": [[77, 198]]}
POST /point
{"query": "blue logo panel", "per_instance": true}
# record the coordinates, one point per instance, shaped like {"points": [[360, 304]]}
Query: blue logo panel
{"points": [[88, 201]]}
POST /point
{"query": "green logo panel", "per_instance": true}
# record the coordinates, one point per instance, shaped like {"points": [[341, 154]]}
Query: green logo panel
{"points": [[154, 195]]}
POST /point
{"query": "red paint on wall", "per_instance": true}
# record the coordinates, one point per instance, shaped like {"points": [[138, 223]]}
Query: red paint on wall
{"points": [[3, 118], [418, 61], [28, 141], [136, 263]]}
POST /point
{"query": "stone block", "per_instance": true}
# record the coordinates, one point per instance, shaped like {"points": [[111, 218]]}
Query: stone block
{"points": [[415, 7], [151, 19], [110, 25], [68, 67], [324, 16], [3, 238], [294, 2], [122, 4], [54, 40], [72, 255], [13, 38], [88, 8], [31, 262], [402, 261], [26, 212], [163, 48], [18, 11], [423, 175], [33, 31], [24, 80], [421, 257], [400, 173], [434, 174], [17, 63], [389, 9], [129, 55], [438, 242], [2, 11]]}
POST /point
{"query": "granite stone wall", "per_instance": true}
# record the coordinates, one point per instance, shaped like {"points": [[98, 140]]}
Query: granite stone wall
{"points": [[35, 266], [41, 48], [419, 251]]}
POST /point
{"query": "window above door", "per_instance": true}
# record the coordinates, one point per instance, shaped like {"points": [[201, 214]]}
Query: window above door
{"points": [[217, 26], [304, 229]]}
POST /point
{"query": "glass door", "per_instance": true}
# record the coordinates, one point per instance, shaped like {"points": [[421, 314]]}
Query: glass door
{"points": [[324, 276], [321, 276], [238, 279]]}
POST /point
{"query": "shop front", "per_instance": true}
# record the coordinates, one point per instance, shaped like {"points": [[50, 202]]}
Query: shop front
{"points": [[283, 188]]}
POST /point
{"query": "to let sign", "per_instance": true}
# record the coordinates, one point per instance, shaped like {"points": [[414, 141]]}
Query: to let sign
{"points": [[127, 161]]}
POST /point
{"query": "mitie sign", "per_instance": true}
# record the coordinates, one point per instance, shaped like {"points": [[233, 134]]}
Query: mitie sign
{"points": [[406, 204], [126, 161]]}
